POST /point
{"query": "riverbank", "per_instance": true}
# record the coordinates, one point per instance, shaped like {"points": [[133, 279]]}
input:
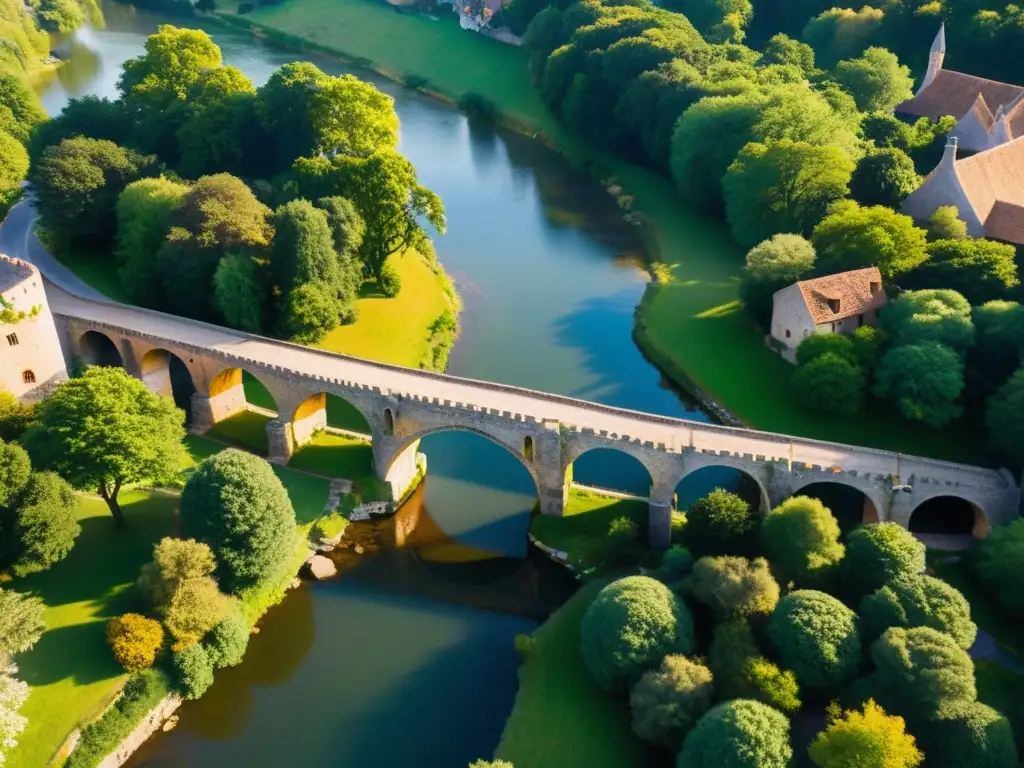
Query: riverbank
{"points": [[692, 325]]}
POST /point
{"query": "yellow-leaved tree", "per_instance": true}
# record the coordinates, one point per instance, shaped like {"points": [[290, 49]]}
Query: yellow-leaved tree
{"points": [[872, 739]]}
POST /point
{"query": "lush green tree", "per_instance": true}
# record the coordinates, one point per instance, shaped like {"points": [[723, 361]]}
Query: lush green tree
{"points": [[783, 49], [784, 186], [852, 237], [303, 249], [734, 587], [818, 344], [876, 80], [21, 622], [228, 640], [89, 116], [798, 113], [842, 33], [221, 212], [916, 600], [348, 229], [193, 669], [998, 328], [145, 210], [876, 554], [235, 503], [770, 267], [816, 637], [308, 312], [830, 383], [629, 627], [1004, 416], [182, 264], [872, 739], [41, 529], [738, 734], [923, 381], [15, 470], [920, 672], [884, 177], [174, 61], [868, 345], [104, 429], [946, 224], [77, 183], [980, 270], [60, 16], [732, 648], [384, 189], [932, 315], [174, 562], [23, 104], [135, 641], [196, 606], [801, 539], [14, 416], [720, 523], [676, 564], [13, 167], [969, 735], [667, 701], [772, 685], [239, 291], [887, 131], [998, 562]]}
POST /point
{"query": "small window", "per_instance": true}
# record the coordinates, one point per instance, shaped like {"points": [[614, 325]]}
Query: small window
{"points": [[389, 422], [788, 334], [12, 339], [528, 448], [833, 304], [28, 377], [860, 320], [875, 287]]}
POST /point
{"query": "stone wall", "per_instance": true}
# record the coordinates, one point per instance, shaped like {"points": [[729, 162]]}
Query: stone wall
{"points": [[149, 725]]}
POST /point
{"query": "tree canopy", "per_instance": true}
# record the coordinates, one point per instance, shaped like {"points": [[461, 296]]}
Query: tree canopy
{"points": [[720, 523], [876, 80], [923, 381], [738, 734], [771, 266], [868, 738], [816, 637], [980, 270], [852, 237], [878, 553], [801, 540]]}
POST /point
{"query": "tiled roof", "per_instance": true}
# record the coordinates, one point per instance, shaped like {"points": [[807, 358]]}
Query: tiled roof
{"points": [[852, 289], [995, 179], [983, 113], [953, 93], [12, 272]]}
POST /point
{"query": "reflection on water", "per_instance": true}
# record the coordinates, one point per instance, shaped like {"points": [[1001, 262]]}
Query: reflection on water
{"points": [[408, 658]]}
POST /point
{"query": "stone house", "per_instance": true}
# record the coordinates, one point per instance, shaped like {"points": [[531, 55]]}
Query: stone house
{"points": [[838, 303], [987, 190], [989, 113], [31, 360]]}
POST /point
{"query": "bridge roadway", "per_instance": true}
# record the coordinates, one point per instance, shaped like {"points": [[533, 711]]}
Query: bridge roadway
{"points": [[546, 432]]}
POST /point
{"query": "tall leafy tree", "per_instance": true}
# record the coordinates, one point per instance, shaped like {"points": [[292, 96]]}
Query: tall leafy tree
{"points": [[884, 177], [876, 80], [41, 528], [303, 248], [784, 186], [105, 429], [22, 104], [923, 381], [980, 270], [942, 316], [770, 267], [78, 181], [21, 623], [852, 237], [999, 328], [219, 124], [90, 116], [13, 167], [1004, 416], [239, 291]]}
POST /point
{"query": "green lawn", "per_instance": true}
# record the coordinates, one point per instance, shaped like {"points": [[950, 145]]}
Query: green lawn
{"points": [[561, 717], [245, 429], [395, 330], [71, 670], [334, 456]]}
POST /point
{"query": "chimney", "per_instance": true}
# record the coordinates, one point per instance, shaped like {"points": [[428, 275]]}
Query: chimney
{"points": [[935, 57], [949, 154]]}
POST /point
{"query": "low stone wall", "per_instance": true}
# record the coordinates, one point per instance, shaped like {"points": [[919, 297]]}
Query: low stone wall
{"points": [[149, 725]]}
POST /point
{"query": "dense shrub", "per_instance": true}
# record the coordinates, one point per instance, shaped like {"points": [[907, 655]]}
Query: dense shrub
{"points": [[998, 562], [390, 282], [816, 637], [15, 470], [915, 600], [734, 587], [969, 735], [801, 539], [676, 564], [829, 383], [720, 523], [135, 640], [873, 738], [21, 621], [919, 673], [235, 503], [818, 344], [41, 529], [630, 627], [667, 701], [142, 692], [732, 648], [228, 640], [193, 669], [878, 553], [738, 734], [772, 685]]}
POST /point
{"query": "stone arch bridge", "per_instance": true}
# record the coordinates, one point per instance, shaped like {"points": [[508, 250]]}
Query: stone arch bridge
{"points": [[545, 432]]}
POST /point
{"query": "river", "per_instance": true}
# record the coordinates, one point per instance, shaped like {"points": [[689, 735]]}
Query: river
{"points": [[406, 660]]}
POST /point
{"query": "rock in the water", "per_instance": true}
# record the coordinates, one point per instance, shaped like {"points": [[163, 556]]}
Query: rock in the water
{"points": [[371, 509], [320, 567], [171, 722], [358, 548], [296, 583]]}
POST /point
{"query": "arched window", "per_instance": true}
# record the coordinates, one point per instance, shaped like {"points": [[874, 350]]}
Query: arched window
{"points": [[28, 377], [389, 422], [528, 448]]}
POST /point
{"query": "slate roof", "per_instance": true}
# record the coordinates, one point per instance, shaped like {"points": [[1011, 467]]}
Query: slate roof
{"points": [[954, 93], [852, 289], [993, 181]]}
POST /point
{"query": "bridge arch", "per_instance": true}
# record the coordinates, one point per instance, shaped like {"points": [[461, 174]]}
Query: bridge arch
{"points": [[851, 506], [97, 348], [949, 515], [610, 468], [243, 386], [323, 409], [698, 481]]}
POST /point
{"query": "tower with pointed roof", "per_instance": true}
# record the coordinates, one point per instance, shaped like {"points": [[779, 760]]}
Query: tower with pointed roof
{"points": [[935, 58]]}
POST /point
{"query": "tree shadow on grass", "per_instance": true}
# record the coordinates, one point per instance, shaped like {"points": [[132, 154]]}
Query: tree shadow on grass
{"points": [[78, 652]]}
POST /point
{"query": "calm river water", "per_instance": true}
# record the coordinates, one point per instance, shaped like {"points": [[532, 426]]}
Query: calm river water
{"points": [[407, 660]]}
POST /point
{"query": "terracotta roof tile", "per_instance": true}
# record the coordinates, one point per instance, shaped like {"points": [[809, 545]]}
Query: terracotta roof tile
{"points": [[996, 174], [851, 289], [1006, 222], [953, 93]]}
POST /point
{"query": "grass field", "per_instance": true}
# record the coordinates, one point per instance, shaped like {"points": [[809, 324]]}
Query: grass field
{"points": [[692, 327], [561, 717], [395, 330], [245, 429], [334, 456], [71, 670]]}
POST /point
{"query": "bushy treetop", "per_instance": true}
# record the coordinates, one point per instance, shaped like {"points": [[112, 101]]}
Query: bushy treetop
{"points": [[917, 600], [816, 637], [720, 523], [878, 553], [801, 539], [734, 587], [738, 734]]}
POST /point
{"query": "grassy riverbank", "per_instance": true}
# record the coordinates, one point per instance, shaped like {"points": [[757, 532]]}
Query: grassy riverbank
{"points": [[692, 327], [72, 674], [561, 717]]}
